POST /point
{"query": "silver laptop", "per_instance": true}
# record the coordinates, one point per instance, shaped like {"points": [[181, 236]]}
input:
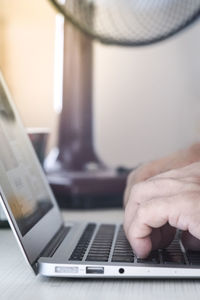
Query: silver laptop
{"points": [[53, 248]]}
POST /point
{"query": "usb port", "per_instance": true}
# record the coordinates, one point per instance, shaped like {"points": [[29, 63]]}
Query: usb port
{"points": [[94, 270]]}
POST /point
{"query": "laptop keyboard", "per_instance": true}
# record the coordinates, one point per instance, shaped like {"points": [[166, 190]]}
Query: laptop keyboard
{"points": [[83, 243], [122, 251], [100, 248], [102, 243]]}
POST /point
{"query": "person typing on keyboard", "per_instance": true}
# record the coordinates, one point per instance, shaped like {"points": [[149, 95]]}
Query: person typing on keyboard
{"points": [[160, 197]]}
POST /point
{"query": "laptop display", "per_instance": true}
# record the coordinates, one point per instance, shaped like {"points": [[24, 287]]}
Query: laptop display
{"points": [[23, 185]]}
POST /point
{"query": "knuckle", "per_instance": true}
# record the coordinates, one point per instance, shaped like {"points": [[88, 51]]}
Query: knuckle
{"points": [[136, 191], [142, 210], [194, 226], [174, 220], [131, 233]]}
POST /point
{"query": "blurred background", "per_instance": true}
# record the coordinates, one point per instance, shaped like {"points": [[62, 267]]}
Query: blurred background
{"points": [[146, 100]]}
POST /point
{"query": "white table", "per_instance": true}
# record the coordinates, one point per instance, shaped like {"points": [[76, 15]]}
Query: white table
{"points": [[17, 282]]}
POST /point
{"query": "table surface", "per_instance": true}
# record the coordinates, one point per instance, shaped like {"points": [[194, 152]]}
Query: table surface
{"points": [[18, 282]]}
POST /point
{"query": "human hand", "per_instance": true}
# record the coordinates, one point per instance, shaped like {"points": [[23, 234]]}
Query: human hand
{"points": [[159, 205], [176, 160]]}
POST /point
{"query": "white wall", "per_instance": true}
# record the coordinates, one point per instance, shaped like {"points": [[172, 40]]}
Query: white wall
{"points": [[147, 100]]}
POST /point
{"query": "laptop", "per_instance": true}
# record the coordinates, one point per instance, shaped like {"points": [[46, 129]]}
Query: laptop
{"points": [[73, 249]]}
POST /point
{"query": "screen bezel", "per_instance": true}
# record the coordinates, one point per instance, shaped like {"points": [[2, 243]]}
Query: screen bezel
{"points": [[35, 240]]}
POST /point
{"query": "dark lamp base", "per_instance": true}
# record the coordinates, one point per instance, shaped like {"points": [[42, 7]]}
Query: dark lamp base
{"points": [[88, 189]]}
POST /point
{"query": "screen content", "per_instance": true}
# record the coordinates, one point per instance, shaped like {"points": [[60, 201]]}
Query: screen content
{"points": [[21, 179]]}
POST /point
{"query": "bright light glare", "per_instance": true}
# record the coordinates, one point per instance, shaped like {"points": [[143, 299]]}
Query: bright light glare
{"points": [[58, 63]]}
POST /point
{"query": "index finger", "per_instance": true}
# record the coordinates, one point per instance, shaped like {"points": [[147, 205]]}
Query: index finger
{"points": [[152, 214]]}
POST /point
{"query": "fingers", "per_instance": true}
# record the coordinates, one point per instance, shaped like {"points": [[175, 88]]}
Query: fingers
{"points": [[180, 211], [141, 174], [131, 180], [127, 193], [157, 187], [151, 214], [189, 173], [183, 159], [160, 204]]}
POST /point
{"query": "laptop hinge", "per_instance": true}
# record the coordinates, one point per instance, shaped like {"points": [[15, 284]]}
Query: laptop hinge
{"points": [[52, 246]]}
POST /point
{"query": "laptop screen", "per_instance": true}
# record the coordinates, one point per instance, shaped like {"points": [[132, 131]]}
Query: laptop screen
{"points": [[20, 178]]}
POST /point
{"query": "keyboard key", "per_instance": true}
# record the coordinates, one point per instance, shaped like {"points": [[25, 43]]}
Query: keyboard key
{"points": [[193, 257], [173, 253], [83, 243], [95, 258], [101, 246], [123, 253], [122, 250], [172, 258], [123, 258], [153, 258]]}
